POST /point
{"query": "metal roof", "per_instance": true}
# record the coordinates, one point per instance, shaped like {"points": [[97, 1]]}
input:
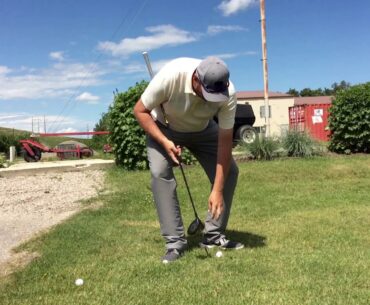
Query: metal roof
{"points": [[260, 94], [310, 100]]}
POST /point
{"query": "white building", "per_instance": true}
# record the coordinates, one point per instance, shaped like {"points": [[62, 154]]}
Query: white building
{"points": [[279, 109]]}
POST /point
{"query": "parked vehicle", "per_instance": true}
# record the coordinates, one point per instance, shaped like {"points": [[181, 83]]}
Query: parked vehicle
{"points": [[243, 126]]}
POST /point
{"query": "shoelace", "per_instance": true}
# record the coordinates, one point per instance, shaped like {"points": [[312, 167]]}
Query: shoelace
{"points": [[223, 241]]}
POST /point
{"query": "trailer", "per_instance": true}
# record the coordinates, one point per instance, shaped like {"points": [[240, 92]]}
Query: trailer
{"points": [[32, 149]]}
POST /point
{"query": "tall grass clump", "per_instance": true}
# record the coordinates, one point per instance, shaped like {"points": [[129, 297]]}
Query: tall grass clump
{"points": [[263, 148], [300, 144]]}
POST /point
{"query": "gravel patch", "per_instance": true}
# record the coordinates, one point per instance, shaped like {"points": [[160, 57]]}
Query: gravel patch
{"points": [[32, 204]]}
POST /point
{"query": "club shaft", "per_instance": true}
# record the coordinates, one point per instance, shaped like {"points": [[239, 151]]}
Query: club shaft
{"points": [[148, 65], [188, 189]]}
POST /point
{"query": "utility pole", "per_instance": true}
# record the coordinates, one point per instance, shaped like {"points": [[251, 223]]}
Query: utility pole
{"points": [[44, 124], [265, 70]]}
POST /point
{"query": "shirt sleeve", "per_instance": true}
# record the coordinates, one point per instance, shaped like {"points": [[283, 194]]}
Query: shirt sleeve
{"points": [[226, 114], [158, 90]]}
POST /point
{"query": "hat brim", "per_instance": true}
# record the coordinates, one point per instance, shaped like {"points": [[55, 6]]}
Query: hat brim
{"points": [[215, 97]]}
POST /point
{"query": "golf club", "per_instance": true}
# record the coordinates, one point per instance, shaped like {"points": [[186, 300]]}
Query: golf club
{"points": [[196, 225]]}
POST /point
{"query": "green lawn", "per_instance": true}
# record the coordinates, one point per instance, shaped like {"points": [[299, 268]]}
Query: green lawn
{"points": [[305, 224]]}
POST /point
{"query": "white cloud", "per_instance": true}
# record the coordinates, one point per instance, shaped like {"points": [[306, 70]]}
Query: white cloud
{"points": [[59, 55], [60, 80], [4, 70], [133, 68], [216, 29], [162, 35], [229, 7], [233, 55], [69, 129], [88, 97], [23, 121], [141, 68]]}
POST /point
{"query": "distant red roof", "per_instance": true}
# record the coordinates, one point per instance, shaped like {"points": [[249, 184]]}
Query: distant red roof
{"points": [[259, 94], [310, 100]]}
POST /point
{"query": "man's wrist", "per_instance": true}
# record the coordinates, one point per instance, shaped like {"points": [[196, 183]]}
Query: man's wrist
{"points": [[217, 190]]}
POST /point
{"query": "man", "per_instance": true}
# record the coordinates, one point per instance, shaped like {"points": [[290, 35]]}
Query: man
{"points": [[176, 110]]}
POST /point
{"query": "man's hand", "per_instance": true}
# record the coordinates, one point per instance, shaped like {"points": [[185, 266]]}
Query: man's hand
{"points": [[150, 127], [172, 150], [216, 204]]}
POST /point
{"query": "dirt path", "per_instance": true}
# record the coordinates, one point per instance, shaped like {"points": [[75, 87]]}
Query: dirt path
{"points": [[31, 204]]}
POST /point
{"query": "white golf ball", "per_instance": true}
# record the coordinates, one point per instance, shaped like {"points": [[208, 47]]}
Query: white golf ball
{"points": [[79, 282], [219, 254]]}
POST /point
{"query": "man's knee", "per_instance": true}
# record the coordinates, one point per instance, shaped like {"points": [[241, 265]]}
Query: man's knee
{"points": [[161, 170]]}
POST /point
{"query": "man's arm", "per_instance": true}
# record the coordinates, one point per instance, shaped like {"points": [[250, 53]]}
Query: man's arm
{"points": [[224, 150], [150, 127]]}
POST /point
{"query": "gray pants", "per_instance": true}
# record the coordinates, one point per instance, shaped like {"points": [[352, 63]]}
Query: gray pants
{"points": [[203, 146]]}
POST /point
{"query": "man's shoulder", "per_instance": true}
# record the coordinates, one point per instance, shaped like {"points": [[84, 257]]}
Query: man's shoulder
{"points": [[231, 89]]}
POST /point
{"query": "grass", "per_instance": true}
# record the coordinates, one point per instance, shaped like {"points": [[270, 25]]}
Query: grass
{"points": [[11, 131], [305, 223]]}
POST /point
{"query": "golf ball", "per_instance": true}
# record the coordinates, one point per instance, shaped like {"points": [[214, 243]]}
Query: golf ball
{"points": [[79, 282], [219, 254]]}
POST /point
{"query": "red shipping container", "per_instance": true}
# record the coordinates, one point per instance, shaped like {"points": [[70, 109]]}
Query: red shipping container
{"points": [[311, 118]]}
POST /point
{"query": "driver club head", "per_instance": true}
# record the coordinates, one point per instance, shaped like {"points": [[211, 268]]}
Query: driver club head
{"points": [[195, 226]]}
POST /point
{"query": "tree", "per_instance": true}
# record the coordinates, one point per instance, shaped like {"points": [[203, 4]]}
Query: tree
{"points": [[98, 141], [335, 87], [310, 92], [293, 92], [349, 119], [341, 86]]}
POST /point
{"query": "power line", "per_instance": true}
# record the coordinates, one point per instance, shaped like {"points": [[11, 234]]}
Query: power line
{"points": [[94, 67]]}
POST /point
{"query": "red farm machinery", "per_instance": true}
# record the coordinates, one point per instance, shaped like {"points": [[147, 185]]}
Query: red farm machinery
{"points": [[32, 150]]}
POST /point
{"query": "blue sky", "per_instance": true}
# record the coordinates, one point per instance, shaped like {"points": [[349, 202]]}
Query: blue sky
{"points": [[63, 59]]}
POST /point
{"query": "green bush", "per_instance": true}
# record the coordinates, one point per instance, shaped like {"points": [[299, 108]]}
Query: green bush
{"points": [[349, 120], [127, 137], [263, 148], [187, 157], [2, 161], [299, 144], [7, 139]]}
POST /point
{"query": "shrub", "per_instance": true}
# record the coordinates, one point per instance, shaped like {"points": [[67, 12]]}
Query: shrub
{"points": [[299, 144], [8, 139], [349, 120], [127, 137], [263, 148], [187, 157], [2, 161]]}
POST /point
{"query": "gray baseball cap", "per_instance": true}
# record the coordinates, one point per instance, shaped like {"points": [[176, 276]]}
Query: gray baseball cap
{"points": [[214, 77]]}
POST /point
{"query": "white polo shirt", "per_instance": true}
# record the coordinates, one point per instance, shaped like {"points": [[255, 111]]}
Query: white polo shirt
{"points": [[185, 111]]}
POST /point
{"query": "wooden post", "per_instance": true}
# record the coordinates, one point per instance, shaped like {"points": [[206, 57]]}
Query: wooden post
{"points": [[265, 70]]}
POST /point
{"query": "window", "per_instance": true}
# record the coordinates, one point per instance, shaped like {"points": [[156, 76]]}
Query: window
{"points": [[262, 111]]}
